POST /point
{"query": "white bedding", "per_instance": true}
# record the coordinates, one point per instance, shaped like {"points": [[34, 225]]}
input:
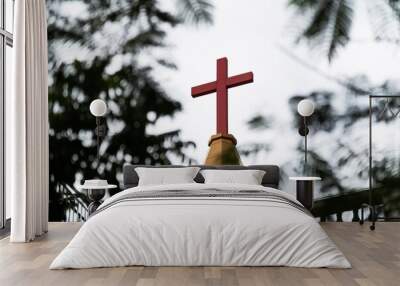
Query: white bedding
{"points": [[200, 231]]}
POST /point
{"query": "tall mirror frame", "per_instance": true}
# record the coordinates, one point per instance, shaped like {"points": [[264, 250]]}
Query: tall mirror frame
{"points": [[375, 205]]}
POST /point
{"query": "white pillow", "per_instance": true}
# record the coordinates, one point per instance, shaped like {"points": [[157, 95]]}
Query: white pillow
{"points": [[165, 176], [248, 177]]}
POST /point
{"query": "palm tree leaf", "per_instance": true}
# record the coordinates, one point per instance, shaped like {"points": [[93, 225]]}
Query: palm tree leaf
{"points": [[341, 27], [395, 6], [330, 23], [196, 11], [303, 5], [385, 19], [319, 23]]}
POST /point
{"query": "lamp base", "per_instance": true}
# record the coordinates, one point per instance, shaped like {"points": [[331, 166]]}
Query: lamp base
{"points": [[95, 195]]}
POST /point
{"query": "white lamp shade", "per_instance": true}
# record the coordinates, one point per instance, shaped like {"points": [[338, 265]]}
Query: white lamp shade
{"points": [[305, 107], [98, 108]]}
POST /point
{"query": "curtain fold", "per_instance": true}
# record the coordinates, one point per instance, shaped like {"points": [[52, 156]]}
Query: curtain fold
{"points": [[27, 121]]}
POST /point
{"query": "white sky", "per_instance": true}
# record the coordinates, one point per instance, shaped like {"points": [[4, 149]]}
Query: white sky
{"points": [[249, 33]]}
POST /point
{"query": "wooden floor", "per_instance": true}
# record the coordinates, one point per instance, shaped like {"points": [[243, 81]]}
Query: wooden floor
{"points": [[375, 257]]}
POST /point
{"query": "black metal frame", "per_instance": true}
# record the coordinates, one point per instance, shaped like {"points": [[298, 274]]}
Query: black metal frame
{"points": [[373, 208], [6, 39]]}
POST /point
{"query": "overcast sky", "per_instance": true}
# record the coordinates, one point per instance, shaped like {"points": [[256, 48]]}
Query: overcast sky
{"points": [[251, 34]]}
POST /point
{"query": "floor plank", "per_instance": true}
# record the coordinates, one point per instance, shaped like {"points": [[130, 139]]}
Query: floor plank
{"points": [[375, 257]]}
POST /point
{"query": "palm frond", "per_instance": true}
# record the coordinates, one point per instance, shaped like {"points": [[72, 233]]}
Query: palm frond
{"points": [[196, 11], [341, 27], [319, 23], [303, 5], [330, 24], [395, 6], [385, 19]]}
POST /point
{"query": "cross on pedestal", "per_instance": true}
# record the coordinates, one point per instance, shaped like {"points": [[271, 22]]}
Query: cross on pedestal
{"points": [[221, 86]]}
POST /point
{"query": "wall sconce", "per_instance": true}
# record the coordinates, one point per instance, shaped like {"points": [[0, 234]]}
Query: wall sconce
{"points": [[98, 108], [305, 108]]}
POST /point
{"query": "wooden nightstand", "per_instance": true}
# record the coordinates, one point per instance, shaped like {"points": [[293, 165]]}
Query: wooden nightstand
{"points": [[305, 190]]}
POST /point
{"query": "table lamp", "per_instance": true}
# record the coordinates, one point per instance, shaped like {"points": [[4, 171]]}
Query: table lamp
{"points": [[98, 109]]}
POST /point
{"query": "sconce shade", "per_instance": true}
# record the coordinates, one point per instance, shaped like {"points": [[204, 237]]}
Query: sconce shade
{"points": [[98, 108], [305, 107]]}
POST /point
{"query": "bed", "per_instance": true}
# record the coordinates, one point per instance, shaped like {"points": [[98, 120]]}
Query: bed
{"points": [[201, 224]]}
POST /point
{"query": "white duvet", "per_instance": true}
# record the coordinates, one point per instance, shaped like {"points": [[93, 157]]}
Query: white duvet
{"points": [[200, 231]]}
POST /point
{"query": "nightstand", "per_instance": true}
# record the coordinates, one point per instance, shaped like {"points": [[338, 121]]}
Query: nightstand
{"points": [[305, 190], [95, 192]]}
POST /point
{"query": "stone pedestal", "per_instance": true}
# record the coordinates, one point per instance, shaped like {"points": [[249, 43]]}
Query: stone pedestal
{"points": [[223, 150]]}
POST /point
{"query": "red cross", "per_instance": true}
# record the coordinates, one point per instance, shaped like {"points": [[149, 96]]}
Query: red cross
{"points": [[221, 86]]}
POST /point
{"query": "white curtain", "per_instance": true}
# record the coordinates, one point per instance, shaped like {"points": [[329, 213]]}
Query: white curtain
{"points": [[27, 124]]}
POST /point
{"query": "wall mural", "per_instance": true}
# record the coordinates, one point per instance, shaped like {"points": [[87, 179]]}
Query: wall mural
{"points": [[120, 52]]}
